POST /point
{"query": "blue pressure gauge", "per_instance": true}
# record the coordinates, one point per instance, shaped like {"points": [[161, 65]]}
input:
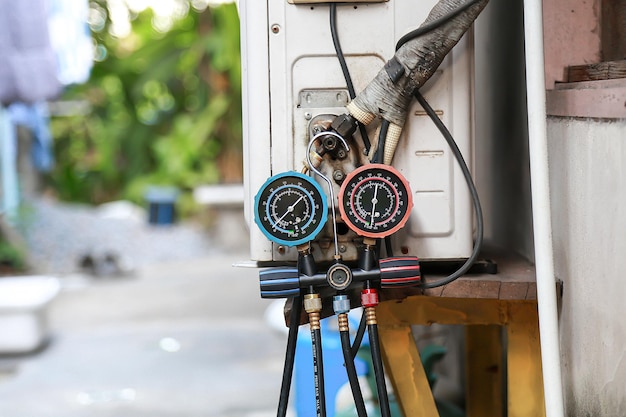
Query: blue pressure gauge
{"points": [[290, 208]]}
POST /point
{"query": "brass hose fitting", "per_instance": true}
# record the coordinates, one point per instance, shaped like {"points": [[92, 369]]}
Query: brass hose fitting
{"points": [[313, 307], [370, 315], [342, 320]]}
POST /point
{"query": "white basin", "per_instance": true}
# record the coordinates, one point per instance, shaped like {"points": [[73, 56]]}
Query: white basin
{"points": [[23, 307]]}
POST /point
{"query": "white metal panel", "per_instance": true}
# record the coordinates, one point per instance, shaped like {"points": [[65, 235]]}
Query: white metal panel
{"points": [[256, 114], [300, 56]]}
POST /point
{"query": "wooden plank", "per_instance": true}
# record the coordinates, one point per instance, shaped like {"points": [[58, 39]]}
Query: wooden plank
{"points": [[469, 288], [428, 310], [405, 370], [607, 70], [525, 380], [511, 270], [532, 291], [434, 292], [484, 371], [513, 290]]}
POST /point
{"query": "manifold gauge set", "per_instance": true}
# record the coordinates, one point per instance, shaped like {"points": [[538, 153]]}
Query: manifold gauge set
{"points": [[338, 179]]}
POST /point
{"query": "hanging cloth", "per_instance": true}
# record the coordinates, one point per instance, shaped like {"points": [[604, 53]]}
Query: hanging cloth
{"points": [[35, 118], [28, 68], [9, 189]]}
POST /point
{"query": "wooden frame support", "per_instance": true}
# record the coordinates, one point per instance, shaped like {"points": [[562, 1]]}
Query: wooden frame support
{"points": [[496, 329]]}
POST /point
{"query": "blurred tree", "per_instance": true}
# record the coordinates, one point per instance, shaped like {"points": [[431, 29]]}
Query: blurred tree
{"points": [[164, 105]]}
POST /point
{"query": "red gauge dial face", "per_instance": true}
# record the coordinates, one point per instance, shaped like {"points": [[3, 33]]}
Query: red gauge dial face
{"points": [[375, 200]]}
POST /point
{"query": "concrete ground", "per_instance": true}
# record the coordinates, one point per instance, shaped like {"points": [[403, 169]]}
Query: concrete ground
{"points": [[180, 338]]}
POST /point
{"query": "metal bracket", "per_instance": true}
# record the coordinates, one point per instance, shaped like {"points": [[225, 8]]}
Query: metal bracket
{"points": [[311, 99]]}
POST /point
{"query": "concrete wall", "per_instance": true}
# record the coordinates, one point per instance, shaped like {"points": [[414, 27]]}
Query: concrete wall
{"points": [[588, 187]]}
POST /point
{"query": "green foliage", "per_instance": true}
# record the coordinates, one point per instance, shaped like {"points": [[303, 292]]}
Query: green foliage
{"points": [[11, 259], [164, 109]]}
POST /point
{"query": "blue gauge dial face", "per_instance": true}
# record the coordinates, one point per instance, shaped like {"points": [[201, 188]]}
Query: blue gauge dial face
{"points": [[290, 209]]}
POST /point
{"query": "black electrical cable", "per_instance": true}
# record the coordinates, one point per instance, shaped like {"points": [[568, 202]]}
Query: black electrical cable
{"points": [[353, 378], [318, 372], [434, 24], [453, 146], [290, 354], [346, 72], [472, 188], [388, 248], [339, 51], [379, 374]]}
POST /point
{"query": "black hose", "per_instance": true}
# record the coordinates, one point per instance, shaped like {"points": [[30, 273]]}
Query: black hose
{"points": [[434, 24], [388, 247], [356, 345], [290, 354], [382, 139], [472, 188], [318, 372], [346, 72], [353, 378], [379, 373]]}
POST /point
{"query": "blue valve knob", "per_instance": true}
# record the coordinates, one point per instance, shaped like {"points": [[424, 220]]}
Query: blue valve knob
{"points": [[279, 282]]}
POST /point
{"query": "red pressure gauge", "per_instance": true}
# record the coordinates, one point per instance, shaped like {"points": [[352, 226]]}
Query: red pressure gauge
{"points": [[375, 200]]}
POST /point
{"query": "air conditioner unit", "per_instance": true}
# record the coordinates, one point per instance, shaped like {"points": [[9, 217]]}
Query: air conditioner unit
{"points": [[292, 80]]}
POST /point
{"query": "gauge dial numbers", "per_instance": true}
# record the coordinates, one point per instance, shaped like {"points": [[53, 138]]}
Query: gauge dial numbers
{"points": [[375, 200], [290, 208]]}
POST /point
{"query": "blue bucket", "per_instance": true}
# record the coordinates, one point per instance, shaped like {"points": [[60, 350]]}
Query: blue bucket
{"points": [[161, 204]]}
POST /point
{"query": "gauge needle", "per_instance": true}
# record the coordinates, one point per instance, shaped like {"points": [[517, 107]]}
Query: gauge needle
{"points": [[290, 209], [374, 201]]}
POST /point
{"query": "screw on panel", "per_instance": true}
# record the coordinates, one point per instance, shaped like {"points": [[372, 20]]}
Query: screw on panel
{"points": [[339, 175], [281, 250], [404, 250], [308, 116], [275, 28], [343, 248]]}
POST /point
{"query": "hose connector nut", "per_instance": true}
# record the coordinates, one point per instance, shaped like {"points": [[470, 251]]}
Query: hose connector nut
{"points": [[341, 304], [369, 297], [345, 125], [312, 303]]}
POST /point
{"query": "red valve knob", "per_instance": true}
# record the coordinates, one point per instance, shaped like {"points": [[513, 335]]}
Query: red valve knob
{"points": [[402, 271]]}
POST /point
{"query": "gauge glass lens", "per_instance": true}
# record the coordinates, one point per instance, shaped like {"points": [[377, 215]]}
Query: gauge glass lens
{"points": [[290, 208]]}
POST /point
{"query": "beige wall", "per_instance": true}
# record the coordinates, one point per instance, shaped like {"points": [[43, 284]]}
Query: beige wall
{"points": [[572, 35]]}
